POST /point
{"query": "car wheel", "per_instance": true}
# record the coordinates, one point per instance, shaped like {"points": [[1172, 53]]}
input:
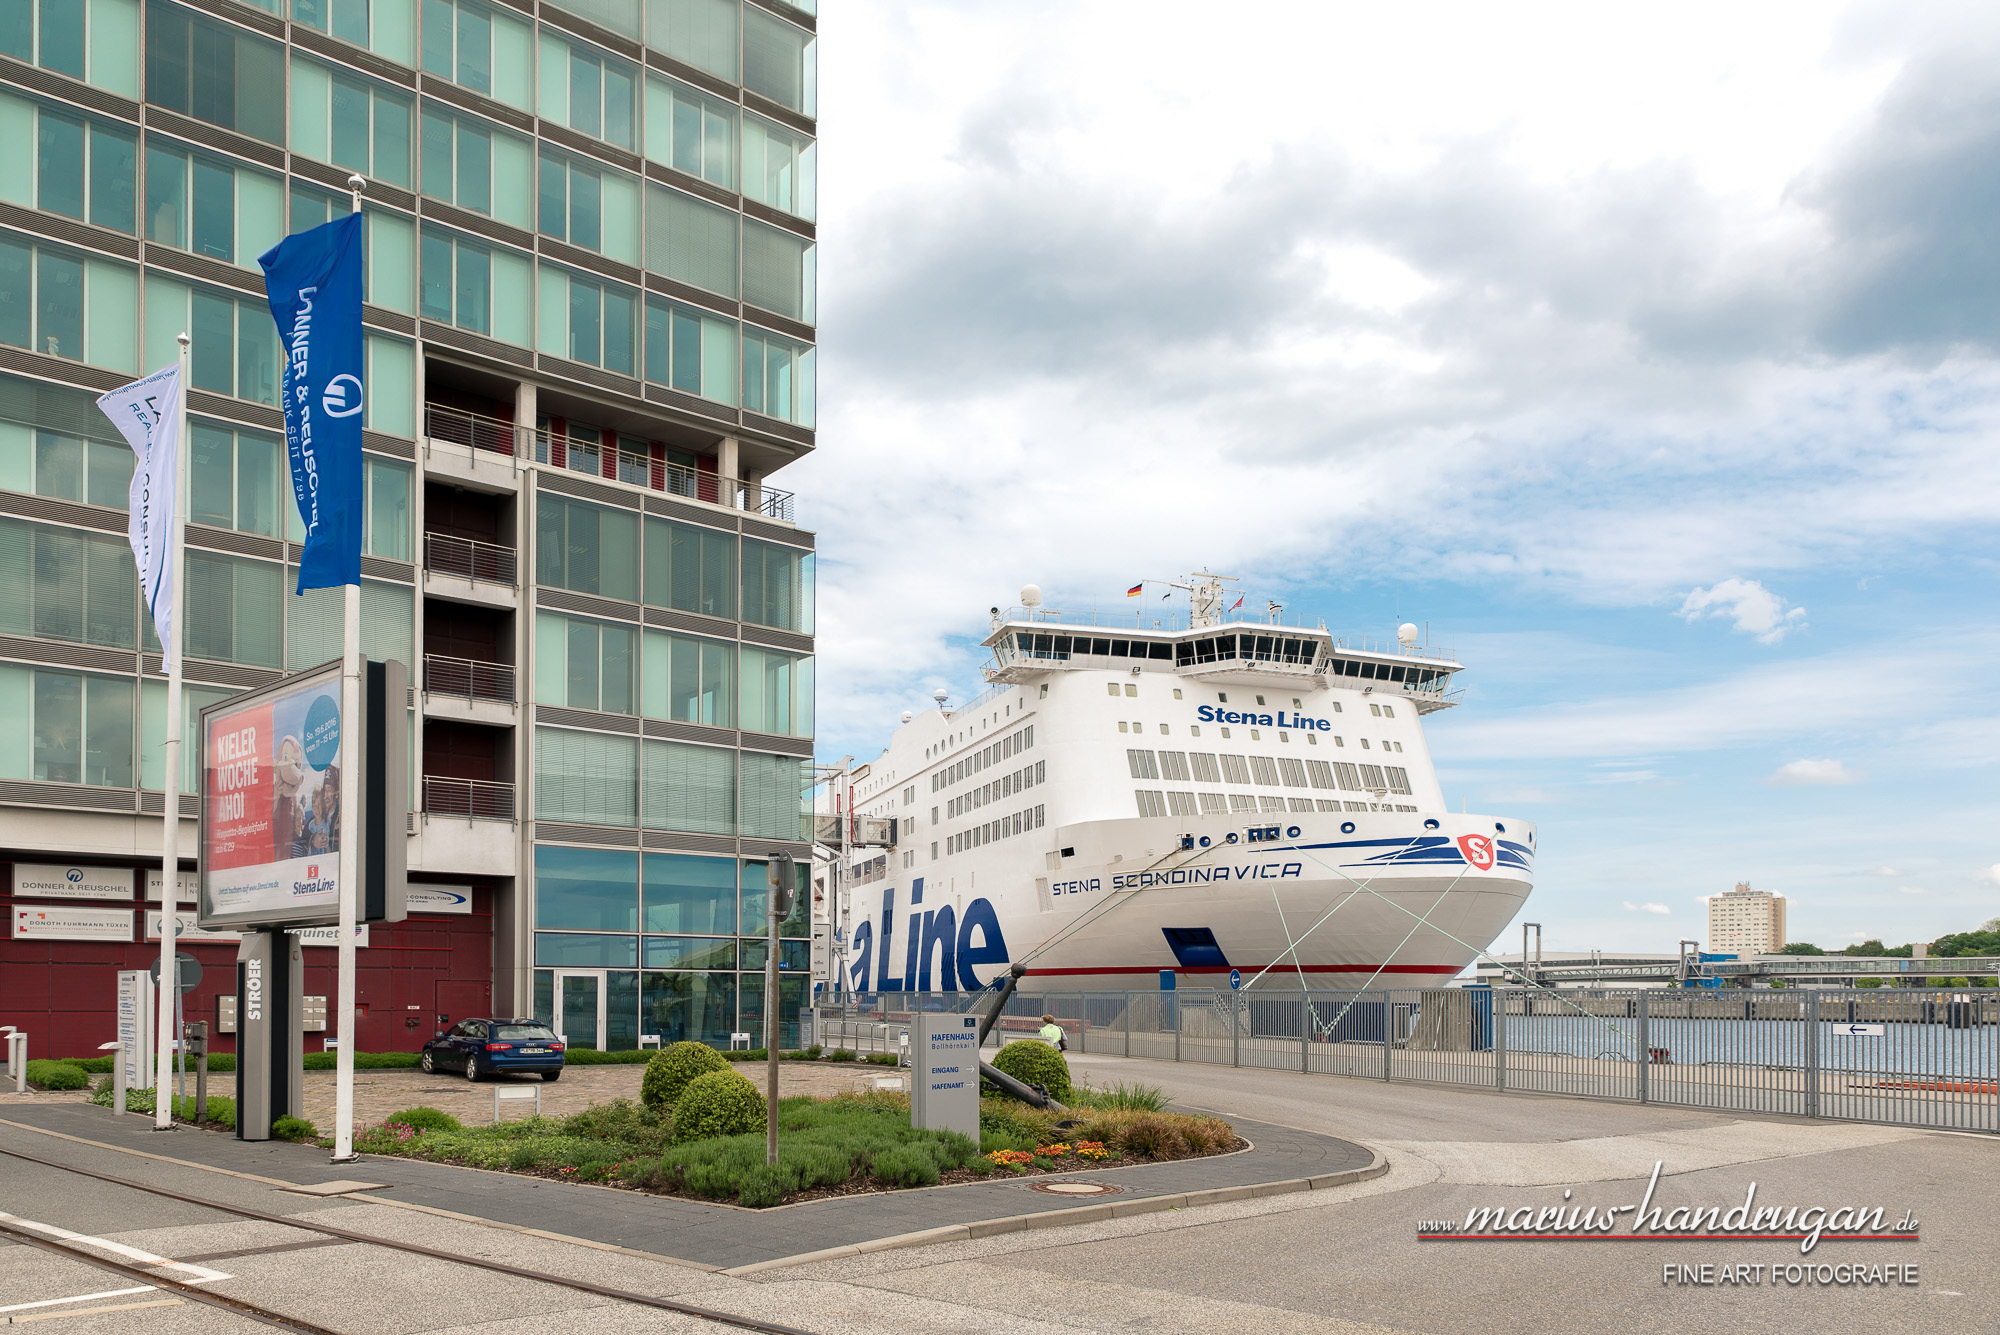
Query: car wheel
{"points": [[472, 1071], [429, 1066], [550, 1077]]}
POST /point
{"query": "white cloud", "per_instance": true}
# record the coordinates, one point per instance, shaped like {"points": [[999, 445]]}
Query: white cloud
{"points": [[1991, 875], [1630, 907], [1814, 772], [1754, 609], [1891, 871], [1911, 890]]}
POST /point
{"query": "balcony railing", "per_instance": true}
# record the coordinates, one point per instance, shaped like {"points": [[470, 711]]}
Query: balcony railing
{"points": [[468, 677], [604, 460], [474, 799], [467, 557]]}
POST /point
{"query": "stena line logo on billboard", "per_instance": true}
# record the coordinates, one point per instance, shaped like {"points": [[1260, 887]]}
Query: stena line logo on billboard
{"points": [[1210, 714]]}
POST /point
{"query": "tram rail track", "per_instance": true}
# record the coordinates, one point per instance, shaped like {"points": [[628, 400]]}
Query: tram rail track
{"points": [[270, 1317]]}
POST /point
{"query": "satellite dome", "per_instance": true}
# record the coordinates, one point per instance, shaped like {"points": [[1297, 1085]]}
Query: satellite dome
{"points": [[940, 695], [1031, 595], [1406, 633], [907, 716]]}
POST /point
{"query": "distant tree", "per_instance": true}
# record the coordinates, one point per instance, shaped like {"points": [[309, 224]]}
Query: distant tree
{"points": [[1872, 947], [1800, 948], [1868, 982], [1959, 944]]}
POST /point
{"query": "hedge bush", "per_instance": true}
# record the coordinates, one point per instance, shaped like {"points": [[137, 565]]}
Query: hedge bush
{"points": [[592, 1057], [44, 1073], [1035, 1063], [673, 1068], [423, 1118], [291, 1128], [721, 1103]]}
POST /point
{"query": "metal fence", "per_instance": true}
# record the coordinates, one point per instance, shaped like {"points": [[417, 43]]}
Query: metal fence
{"points": [[1902, 1056]]}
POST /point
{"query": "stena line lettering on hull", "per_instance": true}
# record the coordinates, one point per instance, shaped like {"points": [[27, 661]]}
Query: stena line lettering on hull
{"points": [[1193, 794]]}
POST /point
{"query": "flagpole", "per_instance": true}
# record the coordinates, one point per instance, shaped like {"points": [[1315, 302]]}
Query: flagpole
{"points": [[170, 797], [350, 843]]}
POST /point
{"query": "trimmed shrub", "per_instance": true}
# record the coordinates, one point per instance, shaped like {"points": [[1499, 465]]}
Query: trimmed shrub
{"points": [[881, 1059], [592, 1057], [842, 1055], [291, 1128], [1035, 1063], [721, 1103], [363, 1061], [422, 1118], [673, 1068], [904, 1166], [46, 1074], [745, 1055]]}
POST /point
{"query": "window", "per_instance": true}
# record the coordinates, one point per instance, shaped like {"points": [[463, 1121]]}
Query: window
{"points": [[690, 240], [61, 303], [233, 478], [67, 584], [592, 94], [780, 168], [587, 548], [691, 895], [1204, 768], [586, 889], [1174, 766], [584, 664], [1151, 803], [704, 33], [1214, 804], [1271, 803], [690, 788], [689, 679], [588, 321], [1319, 773], [1372, 780], [1265, 770], [93, 40], [777, 692], [691, 132], [779, 271], [691, 350], [1399, 779], [777, 376], [690, 568], [65, 727], [1235, 770], [592, 208], [389, 274], [210, 206], [233, 610], [780, 61], [586, 777], [53, 463], [774, 804], [392, 385], [383, 26], [475, 286], [1348, 777], [153, 732], [1180, 804], [1376, 710], [476, 46], [235, 347], [385, 528], [215, 72], [350, 121], [1294, 772], [777, 586], [1142, 763], [66, 163], [1388, 711], [478, 167]]}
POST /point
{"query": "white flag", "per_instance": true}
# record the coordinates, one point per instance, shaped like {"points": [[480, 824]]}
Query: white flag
{"points": [[147, 413]]}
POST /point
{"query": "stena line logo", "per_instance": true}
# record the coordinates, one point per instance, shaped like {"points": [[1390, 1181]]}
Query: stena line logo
{"points": [[314, 883], [1478, 850]]}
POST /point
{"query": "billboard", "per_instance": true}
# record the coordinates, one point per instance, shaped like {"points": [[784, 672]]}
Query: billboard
{"points": [[271, 790]]}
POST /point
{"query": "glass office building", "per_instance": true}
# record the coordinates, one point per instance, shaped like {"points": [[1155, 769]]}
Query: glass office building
{"points": [[590, 310]]}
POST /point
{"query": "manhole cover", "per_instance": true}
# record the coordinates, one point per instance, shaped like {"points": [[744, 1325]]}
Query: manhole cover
{"points": [[1075, 1188]]}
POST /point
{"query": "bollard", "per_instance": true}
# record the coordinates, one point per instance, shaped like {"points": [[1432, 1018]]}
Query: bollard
{"points": [[17, 1060], [117, 1076]]}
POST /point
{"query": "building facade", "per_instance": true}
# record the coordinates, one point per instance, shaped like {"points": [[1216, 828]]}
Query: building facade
{"points": [[590, 276], [1746, 922]]}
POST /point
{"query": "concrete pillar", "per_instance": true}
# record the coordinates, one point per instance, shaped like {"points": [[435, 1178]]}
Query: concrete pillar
{"points": [[726, 457], [753, 491], [524, 419]]}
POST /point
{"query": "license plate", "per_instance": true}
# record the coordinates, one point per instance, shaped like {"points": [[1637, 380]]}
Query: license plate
{"points": [[533, 1052]]}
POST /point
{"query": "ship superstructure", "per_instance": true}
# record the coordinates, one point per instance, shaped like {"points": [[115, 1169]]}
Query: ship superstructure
{"points": [[1197, 793]]}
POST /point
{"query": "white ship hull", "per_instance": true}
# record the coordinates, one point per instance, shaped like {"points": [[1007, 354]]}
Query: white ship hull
{"points": [[1349, 901]]}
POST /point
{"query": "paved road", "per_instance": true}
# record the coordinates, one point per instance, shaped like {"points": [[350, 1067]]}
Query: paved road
{"points": [[1344, 1260]]}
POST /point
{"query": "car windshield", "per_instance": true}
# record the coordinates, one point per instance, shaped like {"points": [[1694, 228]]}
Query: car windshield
{"points": [[524, 1032]]}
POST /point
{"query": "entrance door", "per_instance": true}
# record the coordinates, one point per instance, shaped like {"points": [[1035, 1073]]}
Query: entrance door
{"points": [[580, 1008]]}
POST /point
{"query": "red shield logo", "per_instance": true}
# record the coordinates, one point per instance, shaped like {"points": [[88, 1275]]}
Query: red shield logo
{"points": [[1478, 850], [312, 871]]}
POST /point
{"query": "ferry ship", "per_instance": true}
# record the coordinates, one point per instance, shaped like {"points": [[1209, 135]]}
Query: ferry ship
{"points": [[1236, 801]]}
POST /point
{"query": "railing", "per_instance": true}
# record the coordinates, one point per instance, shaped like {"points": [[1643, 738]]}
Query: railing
{"points": [[1924, 1057], [1146, 622], [475, 799], [604, 460], [468, 677], [470, 558]]}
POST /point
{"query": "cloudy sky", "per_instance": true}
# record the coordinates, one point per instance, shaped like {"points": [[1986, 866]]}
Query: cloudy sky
{"points": [[1650, 358]]}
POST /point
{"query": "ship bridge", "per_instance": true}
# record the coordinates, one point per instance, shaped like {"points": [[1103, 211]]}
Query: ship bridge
{"points": [[1030, 641]]}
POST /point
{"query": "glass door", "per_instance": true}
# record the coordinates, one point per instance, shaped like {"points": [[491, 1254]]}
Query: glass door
{"points": [[580, 1008]]}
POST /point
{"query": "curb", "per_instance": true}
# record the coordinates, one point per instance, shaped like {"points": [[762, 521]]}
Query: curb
{"points": [[1076, 1214]]}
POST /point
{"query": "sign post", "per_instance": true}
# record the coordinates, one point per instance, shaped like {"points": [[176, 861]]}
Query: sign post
{"points": [[782, 885], [944, 1084]]}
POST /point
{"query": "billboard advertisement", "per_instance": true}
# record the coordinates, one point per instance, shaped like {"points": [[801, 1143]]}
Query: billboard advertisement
{"points": [[271, 793]]}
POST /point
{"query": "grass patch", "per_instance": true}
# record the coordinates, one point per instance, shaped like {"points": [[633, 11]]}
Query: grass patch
{"points": [[1121, 1096], [221, 1110]]}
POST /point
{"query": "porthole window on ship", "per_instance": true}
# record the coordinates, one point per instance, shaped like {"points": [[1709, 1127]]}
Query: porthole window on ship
{"points": [[1223, 696], [1255, 735], [1376, 710], [1312, 739], [1388, 711], [1123, 726], [1260, 699], [1163, 730], [1177, 693], [1194, 730], [1399, 746], [1340, 741], [1284, 737], [1111, 688], [1131, 689], [1364, 743], [1225, 733]]}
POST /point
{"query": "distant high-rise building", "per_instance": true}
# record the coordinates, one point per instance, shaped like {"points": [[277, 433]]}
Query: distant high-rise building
{"points": [[1746, 921], [590, 336]]}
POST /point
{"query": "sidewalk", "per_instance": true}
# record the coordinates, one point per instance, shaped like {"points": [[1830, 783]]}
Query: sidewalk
{"points": [[707, 1235]]}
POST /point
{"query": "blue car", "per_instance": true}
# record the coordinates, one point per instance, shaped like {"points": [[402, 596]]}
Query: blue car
{"points": [[496, 1047]]}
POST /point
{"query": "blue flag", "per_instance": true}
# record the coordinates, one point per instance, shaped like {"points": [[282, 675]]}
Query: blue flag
{"points": [[314, 283]]}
